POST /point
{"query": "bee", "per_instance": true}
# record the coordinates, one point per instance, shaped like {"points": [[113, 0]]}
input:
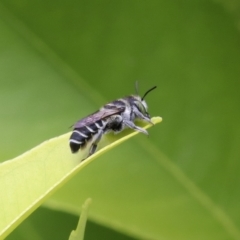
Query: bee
{"points": [[112, 117]]}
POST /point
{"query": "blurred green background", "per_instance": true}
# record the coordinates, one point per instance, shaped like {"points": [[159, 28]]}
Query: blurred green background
{"points": [[61, 60]]}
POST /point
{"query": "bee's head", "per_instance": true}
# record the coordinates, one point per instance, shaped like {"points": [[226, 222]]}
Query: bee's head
{"points": [[140, 103]]}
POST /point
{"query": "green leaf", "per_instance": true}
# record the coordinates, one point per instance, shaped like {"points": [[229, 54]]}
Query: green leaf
{"points": [[29, 179], [36, 227], [78, 234], [62, 60]]}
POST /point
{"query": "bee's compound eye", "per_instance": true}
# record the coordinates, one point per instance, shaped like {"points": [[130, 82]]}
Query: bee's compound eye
{"points": [[140, 106]]}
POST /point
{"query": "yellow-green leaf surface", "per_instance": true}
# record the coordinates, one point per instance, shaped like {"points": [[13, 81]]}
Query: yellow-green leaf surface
{"points": [[62, 60], [78, 234], [27, 180]]}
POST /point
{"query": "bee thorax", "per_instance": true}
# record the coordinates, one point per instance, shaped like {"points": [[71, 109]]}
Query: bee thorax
{"points": [[115, 123]]}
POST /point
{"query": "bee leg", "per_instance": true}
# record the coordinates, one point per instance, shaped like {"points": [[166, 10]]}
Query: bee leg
{"points": [[93, 147], [134, 127]]}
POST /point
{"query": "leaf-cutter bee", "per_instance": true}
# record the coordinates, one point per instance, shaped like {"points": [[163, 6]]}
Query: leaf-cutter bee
{"points": [[114, 116]]}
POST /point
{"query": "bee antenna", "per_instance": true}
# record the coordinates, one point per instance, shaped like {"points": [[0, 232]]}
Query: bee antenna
{"points": [[148, 92], [136, 87]]}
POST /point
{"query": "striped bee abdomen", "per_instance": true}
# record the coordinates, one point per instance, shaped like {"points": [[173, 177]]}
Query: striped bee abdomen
{"points": [[80, 136]]}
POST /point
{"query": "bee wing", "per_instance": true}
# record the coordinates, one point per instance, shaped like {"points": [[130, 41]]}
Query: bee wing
{"points": [[101, 114]]}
